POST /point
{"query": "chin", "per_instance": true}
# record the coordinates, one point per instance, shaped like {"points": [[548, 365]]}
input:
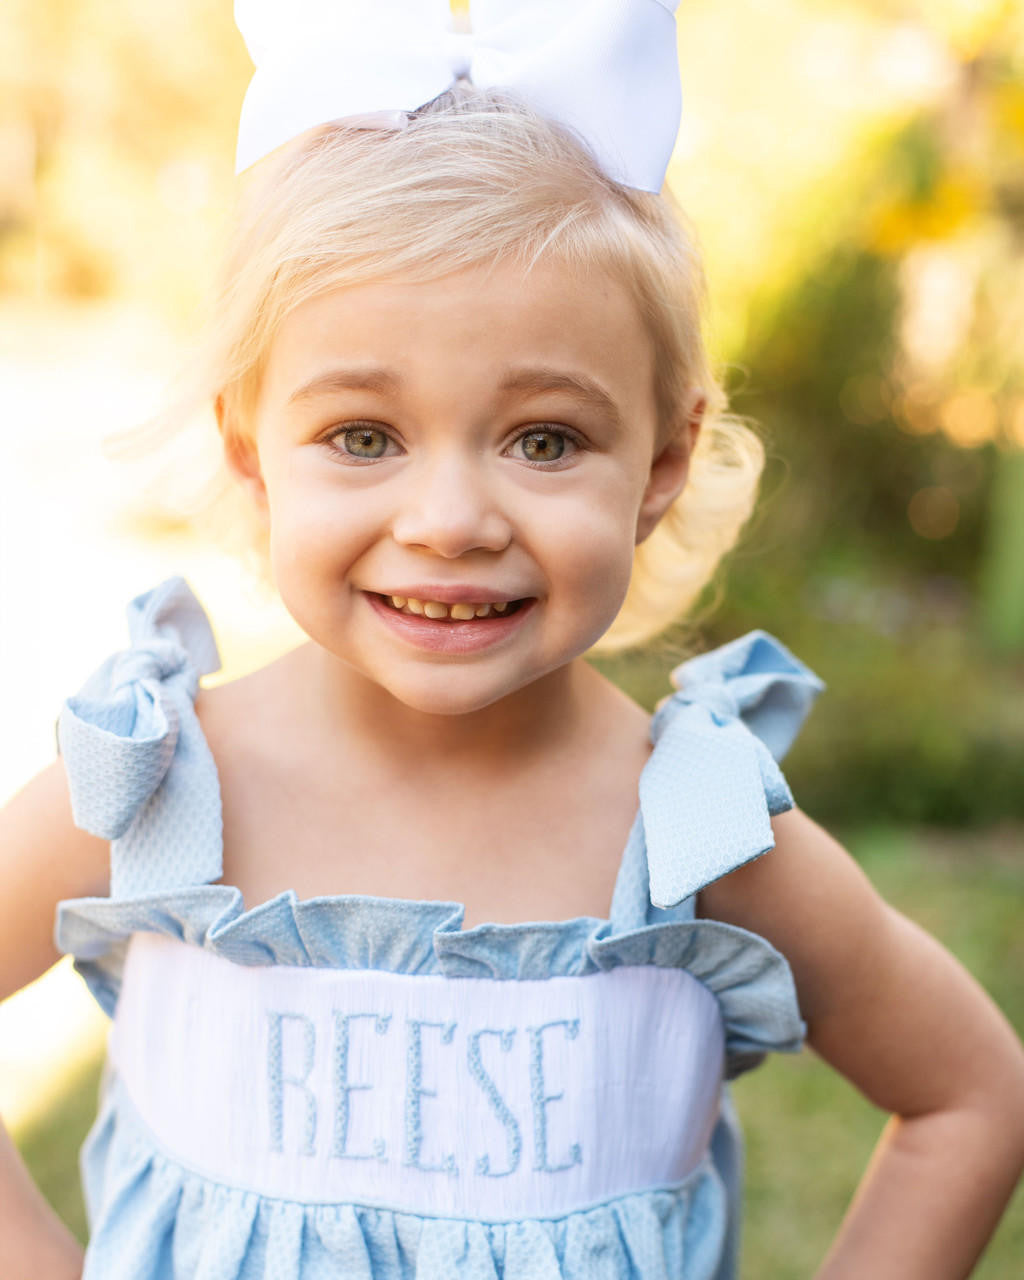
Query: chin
{"points": [[455, 690], [447, 701]]}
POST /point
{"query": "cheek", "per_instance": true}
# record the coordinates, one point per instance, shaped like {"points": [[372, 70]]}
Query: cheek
{"points": [[293, 532], [312, 530], [592, 556]]}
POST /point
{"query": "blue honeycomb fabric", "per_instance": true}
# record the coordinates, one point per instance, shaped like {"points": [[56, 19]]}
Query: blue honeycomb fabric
{"points": [[142, 775], [120, 735]]}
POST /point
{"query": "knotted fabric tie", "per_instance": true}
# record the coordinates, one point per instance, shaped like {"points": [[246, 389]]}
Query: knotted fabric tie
{"points": [[607, 69], [139, 769], [712, 783]]}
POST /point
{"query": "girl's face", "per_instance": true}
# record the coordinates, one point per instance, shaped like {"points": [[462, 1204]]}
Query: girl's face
{"points": [[487, 439]]}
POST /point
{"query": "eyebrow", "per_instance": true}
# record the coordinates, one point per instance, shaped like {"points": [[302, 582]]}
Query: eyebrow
{"points": [[345, 378], [578, 385], [531, 381]]}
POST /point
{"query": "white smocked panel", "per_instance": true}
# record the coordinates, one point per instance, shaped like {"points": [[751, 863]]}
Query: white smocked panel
{"points": [[467, 1097]]}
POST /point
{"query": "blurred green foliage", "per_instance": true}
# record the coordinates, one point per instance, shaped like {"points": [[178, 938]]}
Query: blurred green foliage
{"points": [[911, 728], [887, 373]]}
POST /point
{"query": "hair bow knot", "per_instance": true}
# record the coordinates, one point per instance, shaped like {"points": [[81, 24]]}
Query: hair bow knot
{"points": [[605, 68], [712, 783], [121, 734]]}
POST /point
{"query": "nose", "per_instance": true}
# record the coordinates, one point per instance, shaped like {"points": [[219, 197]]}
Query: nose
{"points": [[451, 507]]}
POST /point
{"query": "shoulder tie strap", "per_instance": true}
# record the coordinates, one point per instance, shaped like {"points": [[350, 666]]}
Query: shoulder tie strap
{"points": [[712, 783], [120, 735]]}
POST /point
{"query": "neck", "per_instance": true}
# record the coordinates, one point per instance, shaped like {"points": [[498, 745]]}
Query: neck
{"points": [[520, 728]]}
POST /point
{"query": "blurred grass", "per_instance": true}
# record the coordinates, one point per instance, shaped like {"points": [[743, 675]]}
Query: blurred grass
{"points": [[50, 1143], [809, 1134]]}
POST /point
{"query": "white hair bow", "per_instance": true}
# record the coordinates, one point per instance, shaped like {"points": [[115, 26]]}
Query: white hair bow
{"points": [[606, 68]]}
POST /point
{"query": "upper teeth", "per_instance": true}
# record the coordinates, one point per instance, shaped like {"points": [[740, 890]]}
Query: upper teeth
{"points": [[436, 609]]}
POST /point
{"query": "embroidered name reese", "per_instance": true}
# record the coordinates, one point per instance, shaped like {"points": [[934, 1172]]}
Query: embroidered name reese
{"points": [[482, 1053], [422, 1093]]}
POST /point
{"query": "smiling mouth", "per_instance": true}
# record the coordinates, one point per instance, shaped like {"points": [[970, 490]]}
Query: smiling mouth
{"points": [[437, 610]]}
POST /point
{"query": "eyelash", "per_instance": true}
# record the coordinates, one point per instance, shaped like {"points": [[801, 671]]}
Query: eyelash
{"points": [[353, 459], [537, 428], [543, 428]]}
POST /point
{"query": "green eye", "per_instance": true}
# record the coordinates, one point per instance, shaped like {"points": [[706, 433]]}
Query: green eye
{"points": [[365, 442], [543, 446]]}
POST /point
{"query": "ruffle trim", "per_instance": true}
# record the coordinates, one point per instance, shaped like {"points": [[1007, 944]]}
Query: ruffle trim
{"points": [[158, 1218], [749, 978]]}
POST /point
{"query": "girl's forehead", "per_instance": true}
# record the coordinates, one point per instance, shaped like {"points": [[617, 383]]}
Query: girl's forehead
{"points": [[473, 322], [541, 289]]}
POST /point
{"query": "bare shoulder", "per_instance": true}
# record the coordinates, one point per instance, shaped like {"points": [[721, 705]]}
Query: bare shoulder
{"points": [[250, 726], [242, 722], [239, 717], [810, 899], [885, 1003], [44, 858]]}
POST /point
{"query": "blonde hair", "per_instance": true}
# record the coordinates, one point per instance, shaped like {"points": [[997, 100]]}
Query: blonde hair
{"points": [[478, 178]]}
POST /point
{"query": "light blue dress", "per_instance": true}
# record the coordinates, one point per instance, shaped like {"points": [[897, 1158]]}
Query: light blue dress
{"points": [[142, 776]]}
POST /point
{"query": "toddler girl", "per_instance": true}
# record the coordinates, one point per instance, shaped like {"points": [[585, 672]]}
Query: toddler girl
{"points": [[428, 953]]}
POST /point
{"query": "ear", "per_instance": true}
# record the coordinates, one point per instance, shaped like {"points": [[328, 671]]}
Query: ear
{"points": [[241, 456], [671, 466]]}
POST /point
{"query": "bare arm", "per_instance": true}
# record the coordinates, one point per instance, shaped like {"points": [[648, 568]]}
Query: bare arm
{"points": [[43, 858], [891, 1010]]}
